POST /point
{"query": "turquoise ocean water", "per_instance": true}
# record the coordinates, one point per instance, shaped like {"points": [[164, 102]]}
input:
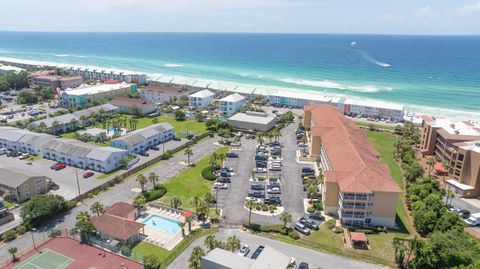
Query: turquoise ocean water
{"points": [[432, 74]]}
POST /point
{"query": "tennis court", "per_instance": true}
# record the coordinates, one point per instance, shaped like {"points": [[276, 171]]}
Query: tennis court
{"points": [[47, 259]]}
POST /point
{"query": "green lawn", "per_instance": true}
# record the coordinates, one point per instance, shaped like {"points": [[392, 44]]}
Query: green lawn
{"points": [[324, 236], [384, 143], [143, 249], [376, 125], [71, 136], [190, 183], [9, 204]]}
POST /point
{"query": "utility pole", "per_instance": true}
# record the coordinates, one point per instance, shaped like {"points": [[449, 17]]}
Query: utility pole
{"points": [[78, 183]]}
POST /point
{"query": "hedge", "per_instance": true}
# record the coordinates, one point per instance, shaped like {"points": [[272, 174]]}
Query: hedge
{"points": [[207, 173], [158, 192], [273, 229], [9, 235]]}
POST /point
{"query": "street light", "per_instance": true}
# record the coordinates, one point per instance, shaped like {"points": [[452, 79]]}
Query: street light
{"points": [[101, 242], [33, 238]]}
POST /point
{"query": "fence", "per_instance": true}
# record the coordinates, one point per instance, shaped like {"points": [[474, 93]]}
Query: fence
{"points": [[38, 241], [119, 178], [158, 205]]}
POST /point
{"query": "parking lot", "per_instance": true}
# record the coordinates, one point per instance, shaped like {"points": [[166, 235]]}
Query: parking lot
{"points": [[232, 200]]}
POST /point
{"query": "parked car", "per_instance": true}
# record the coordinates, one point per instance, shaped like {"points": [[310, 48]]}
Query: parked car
{"points": [[220, 186], [261, 164], [236, 144], [228, 169], [276, 152], [24, 156], [253, 199], [303, 265], [316, 216], [232, 155], [273, 185], [223, 179], [3, 151], [257, 187], [225, 174], [261, 170], [87, 174], [144, 153], [59, 166], [53, 166], [257, 252], [244, 250], [307, 169], [278, 163], [274, 191], [273, 200], [309, 223], [261, 158], [274, 168], [154, 148], [257, 194], [176, 139], [464, 214], [302, 228]]}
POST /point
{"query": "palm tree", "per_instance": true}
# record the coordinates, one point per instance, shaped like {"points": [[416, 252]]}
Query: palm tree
{"points": [[152, 177], [311, 191], [13, 251], [195, 261], [445, 165], [430, 162], [208, 198], [139, 202], [449, 194], [142, 180], [260, 139], [221, 158], [188, 153], [250, 205], [154, 120], [286, 218], [97, 208], [320, 180], [233, 243], [210, 242], [175, 202]]}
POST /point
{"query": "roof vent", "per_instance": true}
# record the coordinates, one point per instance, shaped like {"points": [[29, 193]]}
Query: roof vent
{"points": [[452, 125], [457, 132], [477, 144]]}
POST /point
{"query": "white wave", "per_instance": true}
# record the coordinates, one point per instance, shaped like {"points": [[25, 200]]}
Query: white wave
{"points": [[335, 85], [243, 74], [61, 55], [173, 65]]}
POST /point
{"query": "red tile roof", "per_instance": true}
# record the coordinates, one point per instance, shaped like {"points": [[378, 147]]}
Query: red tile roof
{"points": [[354, 161], [116, 227], [358, 237], [111, 81], [120, 209], [70, 78]]}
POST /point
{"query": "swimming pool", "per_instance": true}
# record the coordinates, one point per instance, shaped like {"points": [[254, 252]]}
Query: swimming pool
{"points": [[162, 224]]}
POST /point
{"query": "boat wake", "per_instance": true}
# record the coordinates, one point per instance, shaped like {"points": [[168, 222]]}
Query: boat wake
{"points": [[369, 58], [61, 55], [335, 85]]}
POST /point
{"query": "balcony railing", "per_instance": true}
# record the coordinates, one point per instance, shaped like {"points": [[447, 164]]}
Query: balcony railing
{"points": [[352, 216], [354, 197], [359, 207]]}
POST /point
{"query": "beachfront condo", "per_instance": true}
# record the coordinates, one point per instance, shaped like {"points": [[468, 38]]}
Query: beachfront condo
{"points": [[202, 99], [231, 104], [86, 96], [457, 146], [358, 188], [161, 94]]}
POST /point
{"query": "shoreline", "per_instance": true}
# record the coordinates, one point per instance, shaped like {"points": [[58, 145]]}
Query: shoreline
{"points": [[230, 86]]}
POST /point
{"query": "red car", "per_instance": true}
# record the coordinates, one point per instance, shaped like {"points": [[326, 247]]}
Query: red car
{"points": [[88, 174], [59, 166]]}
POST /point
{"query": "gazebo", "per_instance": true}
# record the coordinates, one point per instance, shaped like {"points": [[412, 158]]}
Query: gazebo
{"points": [[359, 240]]}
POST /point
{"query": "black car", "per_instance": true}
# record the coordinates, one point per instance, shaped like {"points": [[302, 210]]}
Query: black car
{"points": [[464, 214], [223, 179], [273, 200], [144, 153], [276, 152], [257, 194], [257, 252], [303, 265], [257, 187], [261, 164], [154, 148], [225, 174], [309, 223], [273, 185], [261, 158], [176, 139], [307, 169], [316, 216], [232, 155]]}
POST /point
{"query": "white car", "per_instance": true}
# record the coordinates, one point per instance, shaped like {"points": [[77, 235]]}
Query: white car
{"points": [[253, 199], [220, 186], [236, 144], [261, 170], [244, 250], [24, 156], [277, 163]]}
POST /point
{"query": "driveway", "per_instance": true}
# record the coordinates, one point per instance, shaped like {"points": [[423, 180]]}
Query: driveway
{"points": [[120, 192], [314, 258]]}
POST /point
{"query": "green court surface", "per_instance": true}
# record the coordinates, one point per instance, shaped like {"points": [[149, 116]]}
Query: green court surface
{"points": [[47, 259]]}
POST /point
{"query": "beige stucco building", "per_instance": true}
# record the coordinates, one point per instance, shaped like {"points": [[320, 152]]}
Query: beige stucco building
{"points": [[18, 185], [358, 188], [456, 143]]}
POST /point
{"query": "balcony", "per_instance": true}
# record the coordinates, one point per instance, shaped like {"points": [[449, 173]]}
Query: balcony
{"points": [[353, 207], [350, 197], [352, 216]]}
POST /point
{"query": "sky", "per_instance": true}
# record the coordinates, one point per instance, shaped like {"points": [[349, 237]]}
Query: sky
{"points": [[272, 16]]}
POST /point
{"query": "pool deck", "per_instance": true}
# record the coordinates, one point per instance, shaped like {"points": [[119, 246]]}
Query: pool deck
{"points": [[162, 239]]}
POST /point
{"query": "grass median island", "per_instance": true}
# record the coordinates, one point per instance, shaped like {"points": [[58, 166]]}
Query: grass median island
{"points": [[376, 125], [190, 183], [143, 249]]}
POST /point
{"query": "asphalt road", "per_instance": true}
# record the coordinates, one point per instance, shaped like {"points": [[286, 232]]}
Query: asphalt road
{"points": [[314, 258], [121, 192]]}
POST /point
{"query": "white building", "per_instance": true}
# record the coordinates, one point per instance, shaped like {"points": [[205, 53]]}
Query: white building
{"points": [[202, 99], [232, 104], [161, 94], [85, 96], [142, 139], [133, 106], [251, 120], [7, 69], [59, 124], [95, 74], [301, 99], [67, 151]]}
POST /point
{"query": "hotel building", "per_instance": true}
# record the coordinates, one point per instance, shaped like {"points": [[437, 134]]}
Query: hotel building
{"points": [[358, 188], [49, 79], [456, 143], [103, 75], [161, 94], [231, 104], [87, 95]]}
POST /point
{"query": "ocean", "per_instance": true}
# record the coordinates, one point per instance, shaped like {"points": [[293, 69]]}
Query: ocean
{"points": [[429, 74]]}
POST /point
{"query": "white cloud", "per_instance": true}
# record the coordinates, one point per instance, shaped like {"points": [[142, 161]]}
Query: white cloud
{"points": [[467, 9], [427, 12]]}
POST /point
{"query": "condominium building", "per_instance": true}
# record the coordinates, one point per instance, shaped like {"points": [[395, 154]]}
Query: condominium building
{"points": [[161, 94], [300, 99], [133, 106], [103, 75], [231, 104], [84, 96], [268, 258], [7, 69], [202, 99], [142, 139], [17, 185], [457, 144], [49, 79], [358, 188]]}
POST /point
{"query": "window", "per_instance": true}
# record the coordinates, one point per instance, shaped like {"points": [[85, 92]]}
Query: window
{"points": [[38, 190], [25, 187], [27, 195]]}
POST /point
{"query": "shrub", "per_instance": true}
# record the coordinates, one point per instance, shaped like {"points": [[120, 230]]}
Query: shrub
{"points": [[21, 229], [261, 179], [126, 250], [158, 192], [9, 235], [338, 230], [54, 233], [310, 210], [318, 205], [73, 231], [330, 223], [207, 173], [294, 235]]}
